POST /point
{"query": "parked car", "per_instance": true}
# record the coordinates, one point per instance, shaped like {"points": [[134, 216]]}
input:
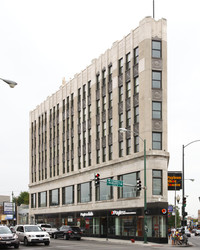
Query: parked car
{"points": [[48, 228], [32, 234], [7, 238], [197, 233], [68, 232]]}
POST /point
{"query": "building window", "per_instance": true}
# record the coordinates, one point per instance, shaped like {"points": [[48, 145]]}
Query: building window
{"points": [[136, 143], [157, 141], [103, 191], [128, 191], [121, 121], [98, 107], [128, 61], [136, 85], [89, 159], [98, 132], [156, 110], [156, 79], [128, 89], [54, 197], [128, 146], [110, 152], [103, 77], [33, 200], [84, 192], [110, 73], [120, 148], [157, 182], [104, 103], [156, 49], [42, 199], [104, 129], [104, 154], [136, 114], [98, 82], [128, 118], [84, 92], [121, 66], [110, 126], [98, 156], [68, 195], [110, 100], [136, 55], [120, 93]]}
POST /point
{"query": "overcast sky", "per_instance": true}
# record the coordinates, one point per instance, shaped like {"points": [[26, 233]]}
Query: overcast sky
{"points": [[43, 41]]}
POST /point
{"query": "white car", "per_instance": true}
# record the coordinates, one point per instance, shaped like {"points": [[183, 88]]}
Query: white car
{"points": [[32, 234]]}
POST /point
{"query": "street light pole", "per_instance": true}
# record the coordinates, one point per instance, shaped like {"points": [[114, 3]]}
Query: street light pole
{"points": [[12, 84], [145, 179], [183, 182]]}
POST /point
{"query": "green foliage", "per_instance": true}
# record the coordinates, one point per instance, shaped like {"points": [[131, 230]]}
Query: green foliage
{"points": [[171, 219], [23, 198]]}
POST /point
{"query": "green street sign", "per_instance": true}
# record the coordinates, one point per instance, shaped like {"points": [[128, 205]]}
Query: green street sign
{"points": [[111, 182]]}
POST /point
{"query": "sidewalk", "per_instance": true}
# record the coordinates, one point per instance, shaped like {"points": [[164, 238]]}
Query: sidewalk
{"points": [[128, 242]]}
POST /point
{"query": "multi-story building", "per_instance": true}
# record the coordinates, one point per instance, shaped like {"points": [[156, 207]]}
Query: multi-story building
{"points": [[75, 133]]}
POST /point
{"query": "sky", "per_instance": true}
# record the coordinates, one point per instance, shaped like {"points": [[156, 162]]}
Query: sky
{"points": [[42, 41]]}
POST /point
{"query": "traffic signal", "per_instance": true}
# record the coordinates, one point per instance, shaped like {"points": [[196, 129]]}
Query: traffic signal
{"points": [[96, 179], [139, 186], [184, 201]]}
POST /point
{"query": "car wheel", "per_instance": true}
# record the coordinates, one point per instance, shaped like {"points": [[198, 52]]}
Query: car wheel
{"points": [[66, 237], [16, 246], [78, 238], [55, 236], [46, 243], [26, 243]]}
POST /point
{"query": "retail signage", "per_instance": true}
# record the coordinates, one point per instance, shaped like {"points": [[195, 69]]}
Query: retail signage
{"points": [[9, 208], [175, 180], [121, 212], [111, 182], [87, 214]]}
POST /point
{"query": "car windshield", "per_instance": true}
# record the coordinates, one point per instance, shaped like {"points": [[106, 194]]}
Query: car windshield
{"points": [[5, 230], [32, 229]]}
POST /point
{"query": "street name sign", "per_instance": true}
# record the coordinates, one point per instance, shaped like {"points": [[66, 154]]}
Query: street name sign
{"points": [[111, 182]]}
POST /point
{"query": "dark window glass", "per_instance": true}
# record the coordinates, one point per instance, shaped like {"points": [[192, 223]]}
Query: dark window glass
{"points": [[156, 110], [68, 195], [157, 141], [156, 80], [104, 192], [54, 197], [128, 191], [156, 49], [157, 182]]}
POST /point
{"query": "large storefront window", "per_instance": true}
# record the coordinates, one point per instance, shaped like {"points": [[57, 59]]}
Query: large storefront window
{"points": [[68, 195], [157, 227], [103, 191], [128, 191], [54, 197], [42, 199], [84, 192]]}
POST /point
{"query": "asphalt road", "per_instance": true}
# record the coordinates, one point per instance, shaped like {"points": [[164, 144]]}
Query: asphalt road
{"points": [[102, 244]]}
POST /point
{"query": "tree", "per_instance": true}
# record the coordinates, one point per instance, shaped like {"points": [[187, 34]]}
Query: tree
{"points": [[171, 219], [23, 198]]}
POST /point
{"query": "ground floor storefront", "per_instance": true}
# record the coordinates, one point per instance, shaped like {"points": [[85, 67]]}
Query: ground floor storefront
{"points": [[116, 223]]}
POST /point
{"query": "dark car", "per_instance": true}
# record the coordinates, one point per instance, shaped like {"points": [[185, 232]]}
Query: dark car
{"points": [[68, 232], [7, 238]]}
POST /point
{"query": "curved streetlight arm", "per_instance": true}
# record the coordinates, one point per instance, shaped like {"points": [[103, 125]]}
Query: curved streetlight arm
{"points": [[190, 143], [12, 84], [128, 130]]}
